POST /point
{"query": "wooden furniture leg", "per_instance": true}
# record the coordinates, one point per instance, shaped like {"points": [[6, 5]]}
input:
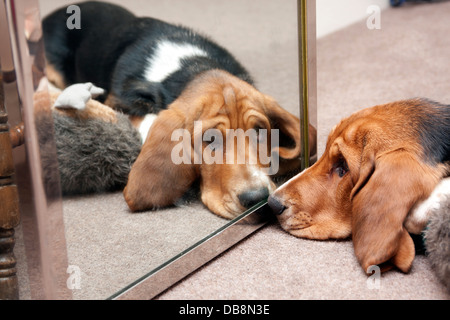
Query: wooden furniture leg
{"points": [[9, 210]]}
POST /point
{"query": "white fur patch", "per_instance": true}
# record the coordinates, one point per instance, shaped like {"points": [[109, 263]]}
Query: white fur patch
{"points": [[167, 59], [145, 125], [420, 214]]}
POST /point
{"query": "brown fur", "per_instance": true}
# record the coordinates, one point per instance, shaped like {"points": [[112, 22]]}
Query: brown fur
{"points": [[387, 175]]}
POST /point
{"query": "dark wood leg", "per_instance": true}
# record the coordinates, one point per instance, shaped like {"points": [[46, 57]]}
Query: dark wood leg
{"points": [[9, 287], [9, 209]]}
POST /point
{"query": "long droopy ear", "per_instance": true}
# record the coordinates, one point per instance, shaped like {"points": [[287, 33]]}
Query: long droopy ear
{"points": [[387, 187], [289, 126], [155, 180]]}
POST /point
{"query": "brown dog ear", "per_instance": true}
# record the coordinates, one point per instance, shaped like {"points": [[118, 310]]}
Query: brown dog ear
{"points": [[289, 126], [386, 189], [155, 179]]}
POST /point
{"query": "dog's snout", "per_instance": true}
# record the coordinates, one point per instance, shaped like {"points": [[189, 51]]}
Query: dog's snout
{"points": [[252, 197], [276, 206]]}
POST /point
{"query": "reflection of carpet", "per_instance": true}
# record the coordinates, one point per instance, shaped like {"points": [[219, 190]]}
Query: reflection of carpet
{"points": [[356, 68], [113, 247]]}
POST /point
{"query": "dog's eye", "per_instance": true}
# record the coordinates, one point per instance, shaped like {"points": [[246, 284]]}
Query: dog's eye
{"points": [[211, 145], [341, 168], [340, 171], [214, 144], [261, 134]]}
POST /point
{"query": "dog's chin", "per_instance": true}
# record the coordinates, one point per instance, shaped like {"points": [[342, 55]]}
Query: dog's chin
{"points": [[226, 211], [310, 232], [302, 225], [223, 206], [292, 220]]}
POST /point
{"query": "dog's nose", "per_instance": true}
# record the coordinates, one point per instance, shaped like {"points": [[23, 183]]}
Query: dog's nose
{"points": [[252, 197], [276, 206]]}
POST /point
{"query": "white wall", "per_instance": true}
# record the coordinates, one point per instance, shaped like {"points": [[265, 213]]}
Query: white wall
{"points": [[333, 15]]}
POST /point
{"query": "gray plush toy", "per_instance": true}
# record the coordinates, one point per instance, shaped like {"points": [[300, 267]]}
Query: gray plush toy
{"points": [[93, 155], [437, 237], [95, 145]]}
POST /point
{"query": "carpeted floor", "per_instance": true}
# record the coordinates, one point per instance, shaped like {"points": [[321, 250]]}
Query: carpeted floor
{"points": [[356, 68]]}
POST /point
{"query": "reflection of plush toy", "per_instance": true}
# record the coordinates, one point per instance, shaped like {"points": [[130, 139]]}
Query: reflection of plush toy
{"points": [[437, 237], [77, 96], [95, 145]]}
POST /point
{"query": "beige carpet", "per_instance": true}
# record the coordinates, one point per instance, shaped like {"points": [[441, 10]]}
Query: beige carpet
{"points": [[357, 68]]}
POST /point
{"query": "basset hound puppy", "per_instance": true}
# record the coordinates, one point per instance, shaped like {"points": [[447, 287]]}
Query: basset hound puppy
{"points": [[176, 84], [223, 103], [379, 167]]}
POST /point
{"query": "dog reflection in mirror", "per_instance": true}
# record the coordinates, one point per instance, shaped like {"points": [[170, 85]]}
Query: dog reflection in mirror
{"points": [[166, 78]]}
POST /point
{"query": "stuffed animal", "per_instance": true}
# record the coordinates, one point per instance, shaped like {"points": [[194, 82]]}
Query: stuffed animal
{"points": [[77, 96], [95, 145]]}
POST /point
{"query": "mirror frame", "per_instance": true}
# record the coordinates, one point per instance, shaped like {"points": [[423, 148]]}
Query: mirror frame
{"points": [[41, 213]]}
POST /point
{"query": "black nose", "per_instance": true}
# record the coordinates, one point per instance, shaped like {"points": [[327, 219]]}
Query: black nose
{"points": [[276, 206], [252, 197]]}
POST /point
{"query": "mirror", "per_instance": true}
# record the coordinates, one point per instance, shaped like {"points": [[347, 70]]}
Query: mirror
{"points": [[111, 251]]}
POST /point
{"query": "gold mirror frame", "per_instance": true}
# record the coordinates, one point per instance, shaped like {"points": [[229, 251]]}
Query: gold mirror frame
{"points": [[41, 207]]}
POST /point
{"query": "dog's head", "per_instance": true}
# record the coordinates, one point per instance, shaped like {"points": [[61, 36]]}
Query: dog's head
{"points": [[368, 179], [225, 133]]}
